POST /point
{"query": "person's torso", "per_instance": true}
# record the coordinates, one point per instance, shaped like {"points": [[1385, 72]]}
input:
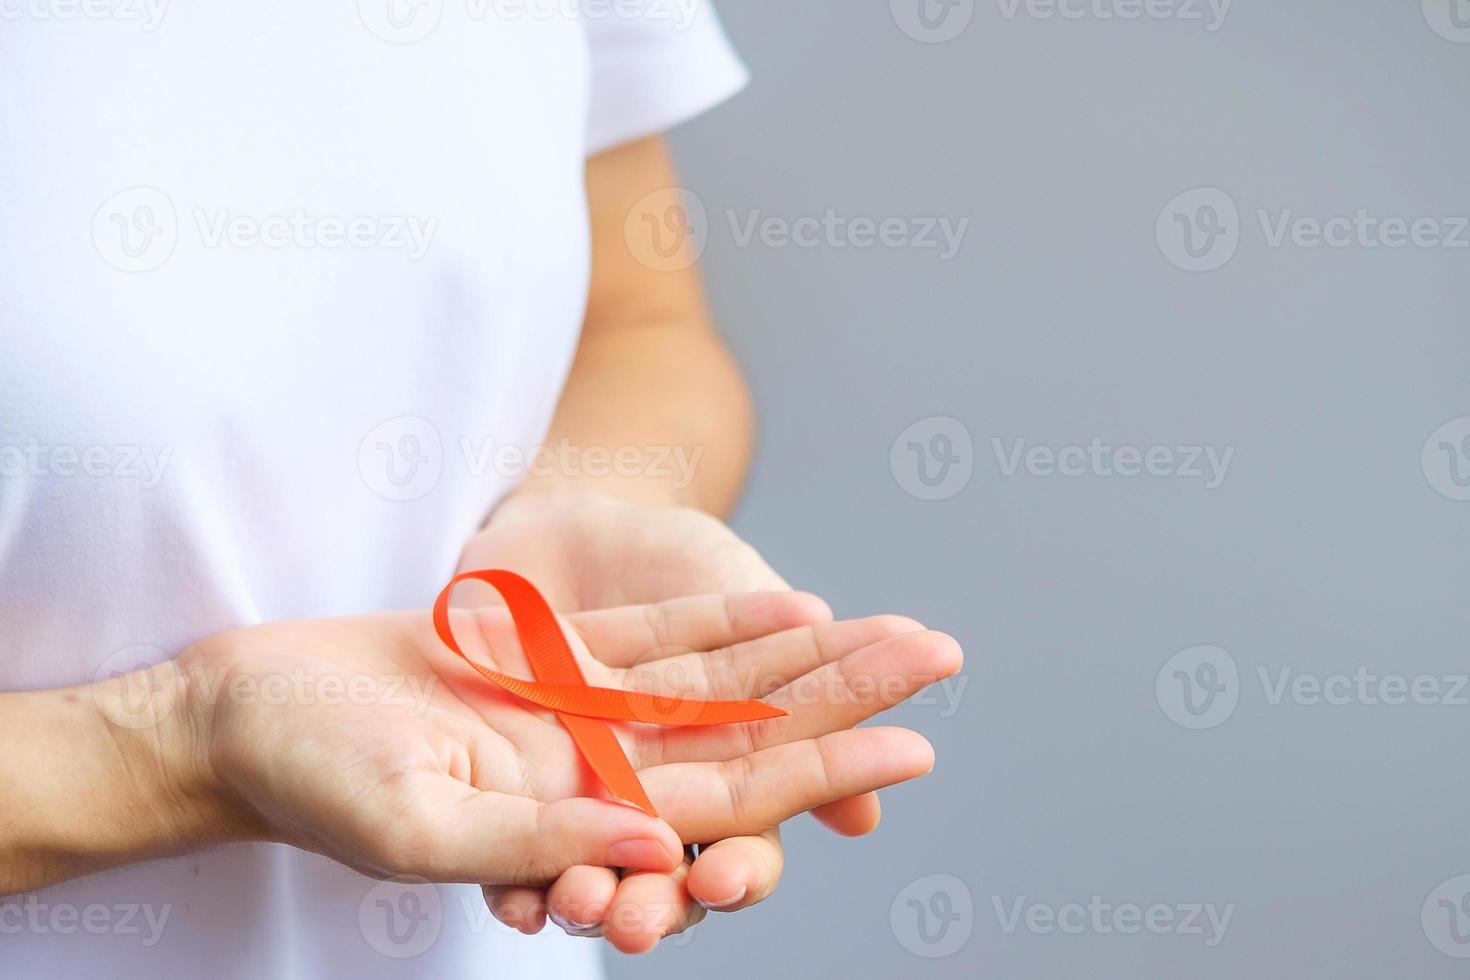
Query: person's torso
{"points": [[276, 280]]}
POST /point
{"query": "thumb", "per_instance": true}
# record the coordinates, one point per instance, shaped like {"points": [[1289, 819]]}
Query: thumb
{"points": [[457, 833]]}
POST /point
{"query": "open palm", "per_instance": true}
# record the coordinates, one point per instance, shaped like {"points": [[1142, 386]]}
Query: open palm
{"points": [[589, 551], [395, 757]]}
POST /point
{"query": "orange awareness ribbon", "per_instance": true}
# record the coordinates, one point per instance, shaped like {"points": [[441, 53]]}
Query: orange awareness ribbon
{"points": [[583, 709]]}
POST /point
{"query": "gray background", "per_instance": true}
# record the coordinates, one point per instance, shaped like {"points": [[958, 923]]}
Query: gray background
{"points": [[1326, 549]]}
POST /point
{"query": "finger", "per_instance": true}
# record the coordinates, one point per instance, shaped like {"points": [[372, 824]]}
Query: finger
{"points": [[715, 800], [737, 872], [520, 908], [833, 697], [852, 817], [628, 635], [447, 831], [580, 899], [758, 667], [649, 906]]}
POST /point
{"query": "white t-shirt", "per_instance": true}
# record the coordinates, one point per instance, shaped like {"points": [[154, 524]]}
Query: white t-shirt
{"points": [[274, 276]]}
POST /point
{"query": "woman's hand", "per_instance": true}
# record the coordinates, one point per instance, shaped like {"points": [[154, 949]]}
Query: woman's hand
{"points": [[365, 740], [590, 551], [587, 551]]}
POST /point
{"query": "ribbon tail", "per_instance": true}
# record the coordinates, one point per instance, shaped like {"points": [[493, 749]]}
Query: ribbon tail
{"points": [[605, 755]]}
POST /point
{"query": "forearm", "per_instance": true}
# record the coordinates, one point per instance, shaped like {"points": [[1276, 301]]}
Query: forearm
{"points": [[669, 398], [100, 776], [653, 392]]}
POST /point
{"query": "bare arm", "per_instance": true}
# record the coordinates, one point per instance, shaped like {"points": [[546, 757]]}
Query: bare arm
{"points": [[100, 776], [651, 371], [358, 738]]}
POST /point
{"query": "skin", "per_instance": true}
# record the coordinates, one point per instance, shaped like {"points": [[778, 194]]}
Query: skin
{"points": [[470, 786], [426, 770], [596, 550], [650, 370]]}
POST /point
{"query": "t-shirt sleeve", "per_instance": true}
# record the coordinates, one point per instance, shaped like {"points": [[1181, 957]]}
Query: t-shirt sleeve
{"points": [[655, 69]]}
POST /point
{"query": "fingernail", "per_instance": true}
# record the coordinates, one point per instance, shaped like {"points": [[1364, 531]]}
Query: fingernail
{"points": [[574, 928], [728, 903], [640, 853], [530, 924]]}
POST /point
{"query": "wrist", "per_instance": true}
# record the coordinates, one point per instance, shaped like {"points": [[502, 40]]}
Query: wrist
{"points": [[157, 724], [537, 497], [109, 774], [203, 810], [542, 492]]}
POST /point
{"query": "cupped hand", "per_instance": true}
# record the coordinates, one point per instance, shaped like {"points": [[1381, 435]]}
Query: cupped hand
{"points": [[590, 551], [366, 740]]}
